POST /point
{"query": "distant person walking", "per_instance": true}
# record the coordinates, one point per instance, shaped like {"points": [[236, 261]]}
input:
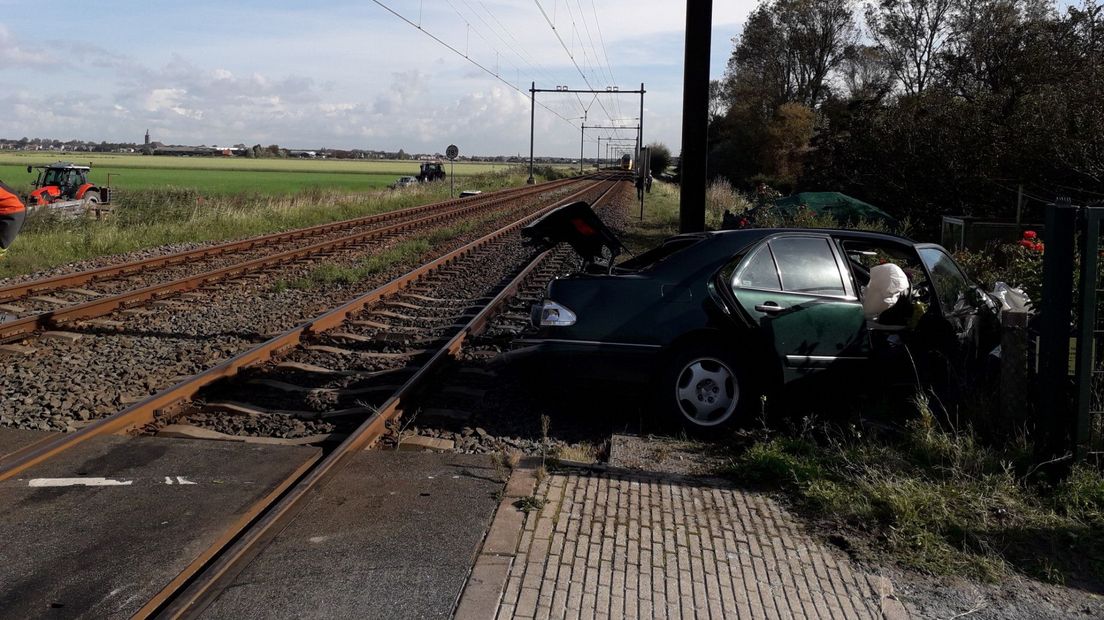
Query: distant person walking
{"points": [[639, 187], [648, 183], [12, 214]]}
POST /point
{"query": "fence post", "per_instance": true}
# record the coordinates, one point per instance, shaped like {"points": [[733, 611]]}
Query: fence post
{"points": [[1086, 329], [1054, 330], [1015, 397]]}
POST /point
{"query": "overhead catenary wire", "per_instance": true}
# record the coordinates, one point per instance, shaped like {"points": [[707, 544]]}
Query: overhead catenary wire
{"points": [[605, 54], [470, 60], [570, 55], [470, 26], [506, 37]]}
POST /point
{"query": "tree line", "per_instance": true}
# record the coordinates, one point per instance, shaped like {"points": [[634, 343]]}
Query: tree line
{"points": [[923, 107]]}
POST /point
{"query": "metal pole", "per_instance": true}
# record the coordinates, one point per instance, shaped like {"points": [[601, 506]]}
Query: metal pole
{"points": [[640, 125], [532, 119], [452, 178], [598, 155], [695, 115], [1054, 330], [582, 133], [1019, 204]]}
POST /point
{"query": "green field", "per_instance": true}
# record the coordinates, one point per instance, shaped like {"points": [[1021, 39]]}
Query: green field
{"points": [[212, 175]]}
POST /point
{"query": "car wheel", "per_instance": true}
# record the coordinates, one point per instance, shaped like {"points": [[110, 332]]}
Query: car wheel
{"points": [[705, 389]]}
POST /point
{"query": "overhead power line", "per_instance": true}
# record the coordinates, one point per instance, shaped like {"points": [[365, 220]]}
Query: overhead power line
{"points": [[467, 58], [605, 54], [570, 55]]}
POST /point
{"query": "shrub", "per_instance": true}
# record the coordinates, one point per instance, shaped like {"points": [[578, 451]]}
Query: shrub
{"points": [[1012, 263]]}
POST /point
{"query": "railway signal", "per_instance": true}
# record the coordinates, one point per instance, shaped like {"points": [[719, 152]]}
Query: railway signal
{"points": [[452, 152]]}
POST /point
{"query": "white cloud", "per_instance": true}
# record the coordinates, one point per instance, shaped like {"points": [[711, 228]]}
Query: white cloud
{"points": [[349, 76], [12, 54]]}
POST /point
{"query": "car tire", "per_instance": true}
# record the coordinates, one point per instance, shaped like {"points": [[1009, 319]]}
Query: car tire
{"points": [[706, 390]]}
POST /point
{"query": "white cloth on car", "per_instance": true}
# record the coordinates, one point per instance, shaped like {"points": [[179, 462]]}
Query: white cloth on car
{"points": [[887, 283]]}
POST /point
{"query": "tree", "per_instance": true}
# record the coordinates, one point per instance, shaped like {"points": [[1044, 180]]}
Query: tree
{"points": [[865, 73], [660, 158], [788, 136], [718, 103], [911, 34], [817, 34], [402, 155]]}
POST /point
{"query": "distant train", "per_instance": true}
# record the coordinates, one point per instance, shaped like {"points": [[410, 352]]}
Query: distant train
{"points": [[626, 162]]}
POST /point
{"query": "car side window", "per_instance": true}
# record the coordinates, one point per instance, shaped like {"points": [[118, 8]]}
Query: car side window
{"points": [[807, 265], [759, 272]]}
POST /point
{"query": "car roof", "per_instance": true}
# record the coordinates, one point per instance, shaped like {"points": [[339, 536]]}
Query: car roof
{"points": [[748, 235], [720, 246]]}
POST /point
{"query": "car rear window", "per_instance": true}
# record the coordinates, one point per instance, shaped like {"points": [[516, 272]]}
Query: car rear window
{"points": [[807, 265], [658, 254]]}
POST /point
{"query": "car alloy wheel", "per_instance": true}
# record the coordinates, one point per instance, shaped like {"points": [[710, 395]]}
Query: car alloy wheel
{"points": [[707, 391]]}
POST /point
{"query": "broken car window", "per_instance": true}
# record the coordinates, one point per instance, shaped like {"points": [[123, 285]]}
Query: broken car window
{"points": [[657, 255]]}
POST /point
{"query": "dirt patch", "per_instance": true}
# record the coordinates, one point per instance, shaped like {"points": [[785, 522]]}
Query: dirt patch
{"points": [[667, 455]]}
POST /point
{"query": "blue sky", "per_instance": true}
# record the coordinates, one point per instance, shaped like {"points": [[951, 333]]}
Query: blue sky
{"points": [[342, 74]]}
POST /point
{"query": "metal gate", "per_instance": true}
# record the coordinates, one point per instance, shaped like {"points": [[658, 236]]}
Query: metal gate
{"points": [[1071, 334]]}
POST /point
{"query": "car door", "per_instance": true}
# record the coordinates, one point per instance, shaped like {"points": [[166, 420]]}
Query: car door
{"points": [[793, 288], [962, 304]]}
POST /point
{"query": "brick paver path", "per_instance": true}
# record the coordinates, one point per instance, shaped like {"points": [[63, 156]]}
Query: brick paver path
{"points": [[633, 546]]}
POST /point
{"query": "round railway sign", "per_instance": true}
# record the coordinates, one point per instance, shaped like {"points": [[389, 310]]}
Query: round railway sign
{"points": [[452, 151]]}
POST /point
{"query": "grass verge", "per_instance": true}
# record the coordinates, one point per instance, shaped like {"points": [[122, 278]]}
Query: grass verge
{"points": [[937, 499], [173, 216]]}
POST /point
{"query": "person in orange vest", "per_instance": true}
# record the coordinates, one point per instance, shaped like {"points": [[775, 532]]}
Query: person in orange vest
{"points": [[12, 214]]}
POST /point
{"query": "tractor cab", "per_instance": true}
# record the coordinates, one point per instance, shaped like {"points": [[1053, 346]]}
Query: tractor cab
{"points": [[62, 181], [431, 171]]}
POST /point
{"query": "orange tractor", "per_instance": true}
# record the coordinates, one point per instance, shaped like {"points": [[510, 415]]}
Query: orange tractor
{"points": [[63, 181]]}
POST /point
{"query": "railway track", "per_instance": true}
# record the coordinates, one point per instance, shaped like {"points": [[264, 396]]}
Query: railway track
{"points": [[447, 310], [126, 347], [357, 368], [52, 302], [311, 338]]}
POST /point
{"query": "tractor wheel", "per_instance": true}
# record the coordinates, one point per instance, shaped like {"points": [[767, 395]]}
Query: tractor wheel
{"points": [[91, 198]]}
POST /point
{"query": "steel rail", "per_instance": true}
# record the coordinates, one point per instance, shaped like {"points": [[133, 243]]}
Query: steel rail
{"points": [[143, 412], [25, 326], [198, 593], [23, 289]]}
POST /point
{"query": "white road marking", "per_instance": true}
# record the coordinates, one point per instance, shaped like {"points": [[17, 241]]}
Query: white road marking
{"points": [[96, 482], [77, 482]]}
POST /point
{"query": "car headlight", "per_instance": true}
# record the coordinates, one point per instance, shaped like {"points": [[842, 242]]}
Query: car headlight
{"points": [[552, 313]]}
